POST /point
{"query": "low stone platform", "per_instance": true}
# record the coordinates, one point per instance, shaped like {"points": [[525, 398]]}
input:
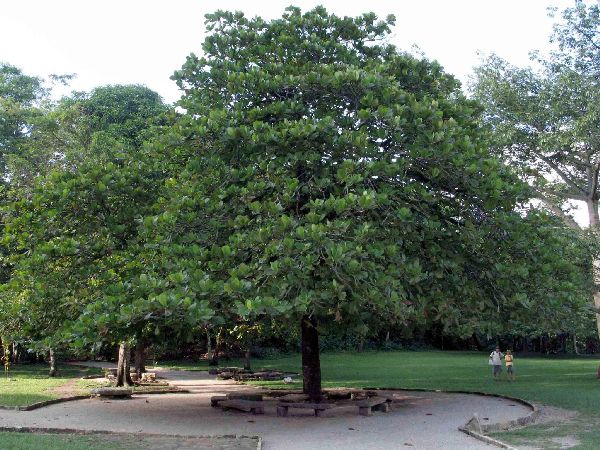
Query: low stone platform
{"points": [[112, 392]]}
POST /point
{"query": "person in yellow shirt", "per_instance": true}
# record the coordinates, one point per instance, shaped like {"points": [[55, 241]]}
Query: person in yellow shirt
{"points": [[508, 360]]}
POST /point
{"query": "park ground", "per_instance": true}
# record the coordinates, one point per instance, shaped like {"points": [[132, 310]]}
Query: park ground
{"points": [[568, 384]]}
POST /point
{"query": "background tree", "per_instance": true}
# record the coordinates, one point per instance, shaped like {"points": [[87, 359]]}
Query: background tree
{"points": [[20, 95], [545, 121], [72, 235]]}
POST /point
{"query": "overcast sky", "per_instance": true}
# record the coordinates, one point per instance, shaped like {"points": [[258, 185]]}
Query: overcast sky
{"points": [[145, 41]]}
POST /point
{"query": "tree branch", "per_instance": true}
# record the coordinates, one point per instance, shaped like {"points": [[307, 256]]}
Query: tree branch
{"points": [[566, 195], [594, 185], [568, 220], [563, 175]]}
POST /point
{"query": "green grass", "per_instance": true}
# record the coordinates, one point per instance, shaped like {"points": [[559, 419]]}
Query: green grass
{"points": [[569, 383], [29, 383], [565, 382], [119, 441], [30, 441]]}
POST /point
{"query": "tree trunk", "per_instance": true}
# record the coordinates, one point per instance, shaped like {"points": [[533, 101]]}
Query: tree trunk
{"points": [[51, 359], [247, 359], [361, 345], [123, 377], [477, 341], [214, 361], [311, 364], [140, 359], [596, 295], [575, 344], [209, 354], [16, 356]]}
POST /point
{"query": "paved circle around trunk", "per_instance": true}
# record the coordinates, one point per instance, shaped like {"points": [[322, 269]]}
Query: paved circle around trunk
{"points": [[426, 420]]}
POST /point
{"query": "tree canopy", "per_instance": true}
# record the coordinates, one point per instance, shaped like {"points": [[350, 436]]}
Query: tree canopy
{"points": [[331, 178], [544, 121], [316, 177]]}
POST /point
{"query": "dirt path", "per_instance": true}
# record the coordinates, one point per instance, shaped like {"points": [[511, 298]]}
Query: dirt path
{"points": [[426, 420], [67, 389]]}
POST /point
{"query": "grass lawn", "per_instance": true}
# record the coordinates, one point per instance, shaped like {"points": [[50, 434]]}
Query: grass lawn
{"points": [[30, 441], [29, 383], [569, 383], [120, 441]]}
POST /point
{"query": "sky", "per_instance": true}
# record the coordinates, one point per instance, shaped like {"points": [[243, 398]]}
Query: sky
{"points": [[145, 41]]}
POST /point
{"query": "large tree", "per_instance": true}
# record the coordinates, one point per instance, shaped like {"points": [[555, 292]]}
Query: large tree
{"points": [[545, 120], [329, 177]]}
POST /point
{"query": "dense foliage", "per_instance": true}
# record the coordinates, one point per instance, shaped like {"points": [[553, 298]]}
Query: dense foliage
{"points": [[317, 178], [544, 121]]}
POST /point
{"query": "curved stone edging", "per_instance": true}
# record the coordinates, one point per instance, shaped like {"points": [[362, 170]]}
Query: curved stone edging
{"points": [[477, 431], [45, 403], [117, 433], [486, 439], [82, 397]]}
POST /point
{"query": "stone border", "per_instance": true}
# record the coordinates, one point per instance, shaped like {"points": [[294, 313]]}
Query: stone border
{"points": [[45, 403], [486, 439], [473, 427], [72, 398], [34, 430]]}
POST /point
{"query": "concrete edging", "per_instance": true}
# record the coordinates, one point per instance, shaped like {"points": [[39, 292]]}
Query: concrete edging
{"points": [[72, 398], [45, 403], [478, 431], [486, 439]]}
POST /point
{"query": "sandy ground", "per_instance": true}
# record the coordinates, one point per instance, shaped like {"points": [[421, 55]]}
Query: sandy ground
{"points": [[424, 421]]}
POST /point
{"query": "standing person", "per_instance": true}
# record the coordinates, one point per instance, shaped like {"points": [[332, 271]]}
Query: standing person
{"points": [[508, 360], [496, 361]]}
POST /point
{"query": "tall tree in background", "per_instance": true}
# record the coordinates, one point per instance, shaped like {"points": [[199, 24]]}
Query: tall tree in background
{"points": [[330, 177], [20, 94], [72, 234], [97, 126], [546, 122]]}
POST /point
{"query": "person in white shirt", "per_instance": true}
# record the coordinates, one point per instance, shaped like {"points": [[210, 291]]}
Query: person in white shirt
{"points": [[496, 361]]}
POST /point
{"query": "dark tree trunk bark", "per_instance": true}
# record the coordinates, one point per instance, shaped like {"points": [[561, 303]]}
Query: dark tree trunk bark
{"points": [[123, 366], [247, 354], [477, 341], [140, 359], [52, 360], [247, 365], [311, 364], [361, 345], [209, 350]]}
